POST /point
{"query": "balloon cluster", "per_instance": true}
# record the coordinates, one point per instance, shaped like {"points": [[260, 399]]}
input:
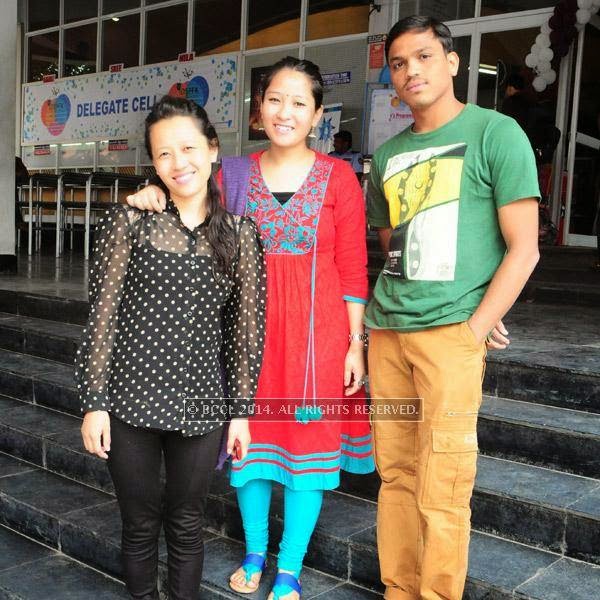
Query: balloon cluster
{"points": [[555, 37]]}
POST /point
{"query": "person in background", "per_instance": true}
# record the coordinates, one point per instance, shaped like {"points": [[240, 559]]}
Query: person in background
{"points": [[516, 104], [21, 178], [342, 143]]}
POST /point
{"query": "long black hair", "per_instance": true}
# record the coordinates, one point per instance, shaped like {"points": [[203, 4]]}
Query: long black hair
{"points": [[220, 232], [302, 66]]}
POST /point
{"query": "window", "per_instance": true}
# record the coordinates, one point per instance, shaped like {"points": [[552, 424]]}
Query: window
{"points": [[217, 26], [82, 9], [79, 52], [121, 41], [273, 22], [495, 7], [443, 10], [166, 33], [43, 56], [112, 6], [43, 13], [329, 18], [348, 57]]}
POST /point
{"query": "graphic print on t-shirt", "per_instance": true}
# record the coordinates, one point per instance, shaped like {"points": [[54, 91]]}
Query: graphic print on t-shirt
{"points": [[423, 193]]}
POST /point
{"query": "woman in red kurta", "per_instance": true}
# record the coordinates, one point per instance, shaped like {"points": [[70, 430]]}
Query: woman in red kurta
{"points": [[308, 422], [321, 227]]}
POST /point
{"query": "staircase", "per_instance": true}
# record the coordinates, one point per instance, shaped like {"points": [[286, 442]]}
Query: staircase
{"points": [[536, 505]]}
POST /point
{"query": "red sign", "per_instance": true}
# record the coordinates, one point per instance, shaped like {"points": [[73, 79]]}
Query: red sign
{"points": [[41, 150], [186, 57], [49, 78], [376, 55], [116, 67], [117, 145]]}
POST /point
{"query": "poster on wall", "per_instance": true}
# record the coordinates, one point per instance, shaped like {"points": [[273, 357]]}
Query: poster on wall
{"points": [[255, 130], [389, 116], [105, 105], [326, 128]]}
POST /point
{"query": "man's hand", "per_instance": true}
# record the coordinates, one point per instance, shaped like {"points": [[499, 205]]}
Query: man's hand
{"points": [[238, 432], [150, 198], [95, 432], [497, 339]]}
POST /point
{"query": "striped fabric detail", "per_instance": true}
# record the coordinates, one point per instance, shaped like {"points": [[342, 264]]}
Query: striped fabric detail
{"points": [[304, 471]]}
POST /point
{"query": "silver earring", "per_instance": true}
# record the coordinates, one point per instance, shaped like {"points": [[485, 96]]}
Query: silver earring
{"points": [[312, 133]]}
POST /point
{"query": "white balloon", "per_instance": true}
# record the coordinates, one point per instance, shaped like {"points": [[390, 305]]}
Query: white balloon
{"points": [[549, 76], [531, 61], [586, 4], [539, 84], [545, 28], [535, 50], [583, 16], [543, 66], [543, 40], [546, 54]]}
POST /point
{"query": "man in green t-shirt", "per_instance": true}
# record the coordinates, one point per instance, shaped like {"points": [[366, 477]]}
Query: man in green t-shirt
{"points": [[454, 198]]}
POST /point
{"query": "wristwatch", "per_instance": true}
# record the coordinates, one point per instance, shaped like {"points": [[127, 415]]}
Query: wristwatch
{"points": [[358, 337]]}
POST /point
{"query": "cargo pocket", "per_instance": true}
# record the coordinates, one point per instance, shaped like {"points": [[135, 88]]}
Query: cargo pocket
{"points": [[451, 468], [395, 452]]}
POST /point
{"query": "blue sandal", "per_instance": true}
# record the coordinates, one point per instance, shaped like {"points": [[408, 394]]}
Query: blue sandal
{"points": [[252, 563], [286, 583]]}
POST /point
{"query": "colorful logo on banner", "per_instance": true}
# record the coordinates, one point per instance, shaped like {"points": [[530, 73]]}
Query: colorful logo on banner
{"points": [[113, 106], [56, 113], [195, 89]]}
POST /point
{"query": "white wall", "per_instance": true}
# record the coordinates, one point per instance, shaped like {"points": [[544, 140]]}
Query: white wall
{"points": [[8, 52]]}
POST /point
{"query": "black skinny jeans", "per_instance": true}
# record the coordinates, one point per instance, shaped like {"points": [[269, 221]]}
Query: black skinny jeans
{"points": [[134, 463]]}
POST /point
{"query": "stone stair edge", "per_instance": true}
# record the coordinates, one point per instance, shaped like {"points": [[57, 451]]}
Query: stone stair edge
{"points": [[64, 521], [485, 463]]}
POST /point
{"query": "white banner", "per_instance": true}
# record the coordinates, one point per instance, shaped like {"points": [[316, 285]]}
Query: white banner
{"points": [[326, 128], [106, 106], [389, 116]]}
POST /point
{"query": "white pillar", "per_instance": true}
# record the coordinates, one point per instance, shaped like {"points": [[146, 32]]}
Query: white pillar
{"points": [[8, 52]]}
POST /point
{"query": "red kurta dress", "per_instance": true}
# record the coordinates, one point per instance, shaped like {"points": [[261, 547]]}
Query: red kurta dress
{"points": [[316, 261]]}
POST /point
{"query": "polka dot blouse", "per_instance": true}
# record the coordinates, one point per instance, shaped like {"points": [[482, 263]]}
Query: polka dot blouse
{"points": [[165, 335]]}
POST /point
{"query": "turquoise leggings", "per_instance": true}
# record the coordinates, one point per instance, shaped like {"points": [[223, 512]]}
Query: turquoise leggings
{"points": [[301, 511]]}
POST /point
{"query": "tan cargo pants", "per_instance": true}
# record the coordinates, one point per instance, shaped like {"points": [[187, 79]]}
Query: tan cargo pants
{"points": [[427, 468]]}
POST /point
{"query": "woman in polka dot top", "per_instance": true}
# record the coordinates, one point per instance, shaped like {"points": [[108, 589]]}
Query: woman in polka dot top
{"points": [[177, 304]]}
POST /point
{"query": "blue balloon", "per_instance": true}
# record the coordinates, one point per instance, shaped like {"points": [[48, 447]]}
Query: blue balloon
{"points": [[197, 90]]}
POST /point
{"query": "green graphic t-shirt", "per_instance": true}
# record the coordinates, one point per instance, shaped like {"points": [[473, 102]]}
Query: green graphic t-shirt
{"points": [[440, 192]]}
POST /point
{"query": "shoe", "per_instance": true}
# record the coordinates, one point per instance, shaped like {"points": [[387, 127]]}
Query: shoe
{"points": [[252, 564], [284, 584]]}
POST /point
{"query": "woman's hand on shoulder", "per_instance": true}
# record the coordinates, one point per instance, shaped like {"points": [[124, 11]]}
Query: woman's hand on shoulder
{"points": [[150, 198], [238, 439], [95, 432]]}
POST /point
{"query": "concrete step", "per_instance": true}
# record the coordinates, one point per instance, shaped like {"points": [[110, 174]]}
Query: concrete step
{"points": [[32, 571], [40, 337], [536, 433], [557, 438], [40, 306], [84, 524], [560, 369], [550, 509]]}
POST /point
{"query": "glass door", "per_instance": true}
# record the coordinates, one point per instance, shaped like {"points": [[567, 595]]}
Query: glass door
{"points": [[582, 218]]}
